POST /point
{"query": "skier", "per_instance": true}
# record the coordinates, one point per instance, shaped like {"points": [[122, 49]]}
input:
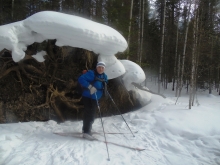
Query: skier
{"points": [[93, 83]]}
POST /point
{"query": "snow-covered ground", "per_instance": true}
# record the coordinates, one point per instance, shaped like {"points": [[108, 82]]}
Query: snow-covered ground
{"points": [[170, 134]]}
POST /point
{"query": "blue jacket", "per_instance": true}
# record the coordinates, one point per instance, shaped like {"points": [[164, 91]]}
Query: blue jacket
{"points": [[88, 78]]}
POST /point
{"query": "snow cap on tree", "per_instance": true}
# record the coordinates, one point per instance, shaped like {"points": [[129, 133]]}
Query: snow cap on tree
{"points": [[102, 64]]}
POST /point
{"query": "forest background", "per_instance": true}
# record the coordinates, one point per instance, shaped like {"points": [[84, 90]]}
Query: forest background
{"points": [[174, 41]]}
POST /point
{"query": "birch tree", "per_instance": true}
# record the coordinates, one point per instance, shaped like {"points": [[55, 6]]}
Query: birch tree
{"points": [[197, 54], [192, 81], [184, 49]]}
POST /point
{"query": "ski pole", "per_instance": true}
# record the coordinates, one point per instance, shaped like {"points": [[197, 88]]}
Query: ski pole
{"points": [[102, 125], [120, 113]]}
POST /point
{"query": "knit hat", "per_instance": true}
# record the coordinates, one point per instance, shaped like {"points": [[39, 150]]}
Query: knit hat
{"points": [[101, 64]]}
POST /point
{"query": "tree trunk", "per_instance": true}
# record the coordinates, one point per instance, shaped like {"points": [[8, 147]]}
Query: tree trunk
{"points": [[197, 56], [142, 32], [129, 28], [184, 50], [178, 76], [12, 10], [218, 81], [86, 8], [99, 10], [210, 69], [192, 81], [175, 65], [176, 50], [139, 31], [162, 46], [61, 6]]}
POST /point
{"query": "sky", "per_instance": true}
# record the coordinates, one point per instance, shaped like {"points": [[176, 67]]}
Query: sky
{"points": [[169, 133]]}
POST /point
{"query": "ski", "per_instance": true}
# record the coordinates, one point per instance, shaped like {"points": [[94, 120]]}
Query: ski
{"points": [[78, 135], [121, 145], [114, 132]]}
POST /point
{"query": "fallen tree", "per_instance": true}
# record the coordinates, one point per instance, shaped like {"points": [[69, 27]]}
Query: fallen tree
{"points": [[34, 91]]}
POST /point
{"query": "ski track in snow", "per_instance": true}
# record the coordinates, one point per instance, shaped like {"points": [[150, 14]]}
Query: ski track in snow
{"points": [[51, 149]]}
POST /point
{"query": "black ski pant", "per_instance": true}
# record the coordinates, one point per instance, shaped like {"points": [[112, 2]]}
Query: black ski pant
{"points": [[89, 113]]}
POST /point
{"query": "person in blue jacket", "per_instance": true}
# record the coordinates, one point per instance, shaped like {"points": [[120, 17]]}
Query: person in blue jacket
{"points": [[93, 83]]}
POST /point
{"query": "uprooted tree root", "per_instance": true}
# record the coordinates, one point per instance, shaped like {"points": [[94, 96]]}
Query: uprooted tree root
{"points": [[34, 91]]}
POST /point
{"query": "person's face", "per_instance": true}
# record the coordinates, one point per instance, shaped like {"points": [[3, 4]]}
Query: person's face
{"points": [[100, 69]]}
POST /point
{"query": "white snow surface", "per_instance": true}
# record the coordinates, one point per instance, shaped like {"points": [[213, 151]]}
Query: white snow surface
{"points": [[114, 68], [68, 30], [133, 73], [170, 134], [143, 96]]}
